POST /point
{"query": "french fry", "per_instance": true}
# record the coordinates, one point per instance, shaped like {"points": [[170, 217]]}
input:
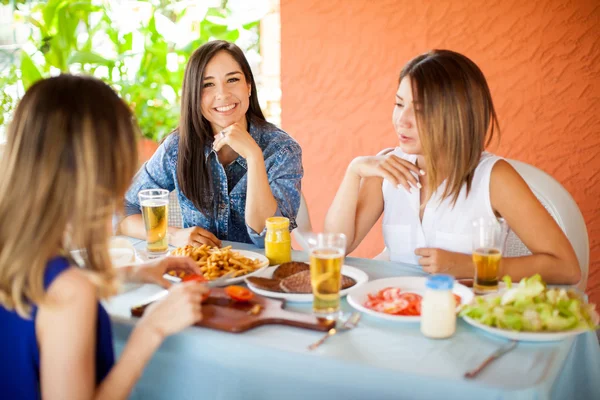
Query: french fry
{"points": [[215, 262]]}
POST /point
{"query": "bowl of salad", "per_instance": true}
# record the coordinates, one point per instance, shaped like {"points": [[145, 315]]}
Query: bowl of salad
{"points": [[532, 311]]}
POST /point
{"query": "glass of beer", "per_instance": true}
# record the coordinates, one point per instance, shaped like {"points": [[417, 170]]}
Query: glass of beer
{"points": [[155, 208], [327, 252], [489, 235]]}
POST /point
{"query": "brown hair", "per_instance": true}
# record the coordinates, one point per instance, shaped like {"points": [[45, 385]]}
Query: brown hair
{"points": [[69, 158], [455, 118], [195, 132]]}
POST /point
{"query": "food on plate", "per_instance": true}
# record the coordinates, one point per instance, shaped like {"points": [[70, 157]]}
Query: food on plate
{"points": [[292, 277], [289, 269], [297, 283], [532, 307], [269, 284], [239, 293], [300, 283], [193, 278], [394, 301], [197, 278], [255, 310], [215, 262]]}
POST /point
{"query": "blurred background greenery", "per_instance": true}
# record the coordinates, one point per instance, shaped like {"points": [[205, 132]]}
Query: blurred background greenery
{"points": [[139, 47]]}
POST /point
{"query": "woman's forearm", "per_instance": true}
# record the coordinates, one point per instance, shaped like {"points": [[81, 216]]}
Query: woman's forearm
{"points": [[552, 269], [133, 226], [341, 216], [260, 202]]}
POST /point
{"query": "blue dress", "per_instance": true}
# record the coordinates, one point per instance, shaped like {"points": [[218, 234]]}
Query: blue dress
{"points": [[19, 352]]}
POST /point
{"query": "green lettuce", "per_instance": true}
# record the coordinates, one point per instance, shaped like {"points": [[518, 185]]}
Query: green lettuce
{"points": [[532, 307]]}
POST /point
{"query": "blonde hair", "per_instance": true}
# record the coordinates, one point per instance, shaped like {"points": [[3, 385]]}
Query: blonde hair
{"points": [[456, 117], [69, 158]]}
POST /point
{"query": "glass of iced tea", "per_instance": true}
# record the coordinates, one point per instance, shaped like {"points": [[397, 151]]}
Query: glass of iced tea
{"points": [[155, 209], [489, 235], [327, 251]]}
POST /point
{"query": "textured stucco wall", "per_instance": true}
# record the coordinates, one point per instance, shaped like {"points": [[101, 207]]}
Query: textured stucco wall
{"points": [[341, 60]]}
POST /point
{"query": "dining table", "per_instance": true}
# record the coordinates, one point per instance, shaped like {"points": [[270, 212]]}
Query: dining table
{"points": [[379, 359]]}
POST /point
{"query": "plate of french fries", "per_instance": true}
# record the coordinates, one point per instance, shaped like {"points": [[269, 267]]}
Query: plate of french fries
{"points": [[215, 262]]}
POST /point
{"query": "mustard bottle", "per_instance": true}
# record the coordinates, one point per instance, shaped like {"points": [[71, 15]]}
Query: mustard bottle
{"points": [[278, 242]]}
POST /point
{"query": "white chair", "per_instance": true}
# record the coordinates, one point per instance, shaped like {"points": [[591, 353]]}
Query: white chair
{"points": [[175, 218], [561, 206], [303, 224]]}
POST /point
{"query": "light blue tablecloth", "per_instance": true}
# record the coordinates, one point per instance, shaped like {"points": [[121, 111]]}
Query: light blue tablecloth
{"points": [[378, 360]]}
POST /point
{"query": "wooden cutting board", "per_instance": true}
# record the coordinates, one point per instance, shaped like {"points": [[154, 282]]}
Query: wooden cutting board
{"points": [[224, 314]]}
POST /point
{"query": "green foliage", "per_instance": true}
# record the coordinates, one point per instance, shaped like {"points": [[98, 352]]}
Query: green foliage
{"points": [[83, 36]]}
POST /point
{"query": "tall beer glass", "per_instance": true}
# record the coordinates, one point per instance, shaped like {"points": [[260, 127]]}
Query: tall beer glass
{"points": [[327, 251], [155, 209], [489, 235]]}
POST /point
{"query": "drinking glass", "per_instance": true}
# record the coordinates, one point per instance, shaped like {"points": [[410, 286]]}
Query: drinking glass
{"points": [[155, 209], [489, 235], [327, 251]]}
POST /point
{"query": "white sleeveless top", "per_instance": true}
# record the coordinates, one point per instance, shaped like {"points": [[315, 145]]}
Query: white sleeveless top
{"points": [[443, 226]]}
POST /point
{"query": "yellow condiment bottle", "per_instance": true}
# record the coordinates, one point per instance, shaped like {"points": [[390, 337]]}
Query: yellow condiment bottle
{"points": [[278, 242]]}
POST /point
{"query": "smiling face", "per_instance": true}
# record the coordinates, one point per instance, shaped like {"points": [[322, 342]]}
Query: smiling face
{"points": [[225, 92], [404, 119]]}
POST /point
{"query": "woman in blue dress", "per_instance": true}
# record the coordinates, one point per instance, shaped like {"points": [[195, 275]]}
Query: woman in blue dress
{"points": [[230, 168], [69, 158]]}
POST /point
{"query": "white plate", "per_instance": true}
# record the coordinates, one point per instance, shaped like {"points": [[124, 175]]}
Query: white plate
{"points": [[358, 275], [410, 284], [525, 336], [121, 257], [264, 263]]}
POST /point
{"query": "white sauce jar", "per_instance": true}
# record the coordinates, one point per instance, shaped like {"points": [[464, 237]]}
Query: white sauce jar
{"points": [[438, 307]]}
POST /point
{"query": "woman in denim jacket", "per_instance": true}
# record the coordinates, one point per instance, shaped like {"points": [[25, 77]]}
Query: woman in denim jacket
{"points": [[231, 169]]}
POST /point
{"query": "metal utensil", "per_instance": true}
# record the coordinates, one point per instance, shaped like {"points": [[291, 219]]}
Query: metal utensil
{"points": [[349, 323], [494, 356], [212, 283]]}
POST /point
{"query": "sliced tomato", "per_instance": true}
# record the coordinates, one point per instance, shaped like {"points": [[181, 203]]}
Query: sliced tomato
{"points": [[411, 297], [239, 293], [395, 307], [197, 278], [458, 299], [391, 293], [193, 278], [392, 300]]}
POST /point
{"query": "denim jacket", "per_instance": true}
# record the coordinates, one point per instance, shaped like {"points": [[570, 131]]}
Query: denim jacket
{"points": [[283, 162]]}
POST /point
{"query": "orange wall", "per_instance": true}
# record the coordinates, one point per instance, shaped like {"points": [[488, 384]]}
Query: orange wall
{"points": [[340, 61]]}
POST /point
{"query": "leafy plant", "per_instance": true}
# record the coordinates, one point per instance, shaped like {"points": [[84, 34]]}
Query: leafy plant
{"points": [[144, 64]]}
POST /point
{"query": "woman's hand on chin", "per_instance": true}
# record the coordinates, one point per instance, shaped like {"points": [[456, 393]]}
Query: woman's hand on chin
{"points": [[236, 137]]}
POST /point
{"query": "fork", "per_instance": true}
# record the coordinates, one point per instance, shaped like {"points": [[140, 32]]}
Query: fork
{"points": [[348, 324], [494, 356]]}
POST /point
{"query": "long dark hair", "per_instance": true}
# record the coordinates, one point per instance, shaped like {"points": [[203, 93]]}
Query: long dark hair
{"points": [[195, 132], [457, 119]]}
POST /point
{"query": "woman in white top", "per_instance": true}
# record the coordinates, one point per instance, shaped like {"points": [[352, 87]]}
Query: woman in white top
{"points": [[439, 179]]}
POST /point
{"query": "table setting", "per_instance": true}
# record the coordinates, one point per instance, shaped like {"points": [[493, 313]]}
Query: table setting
{"points": [[395, 332]]}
